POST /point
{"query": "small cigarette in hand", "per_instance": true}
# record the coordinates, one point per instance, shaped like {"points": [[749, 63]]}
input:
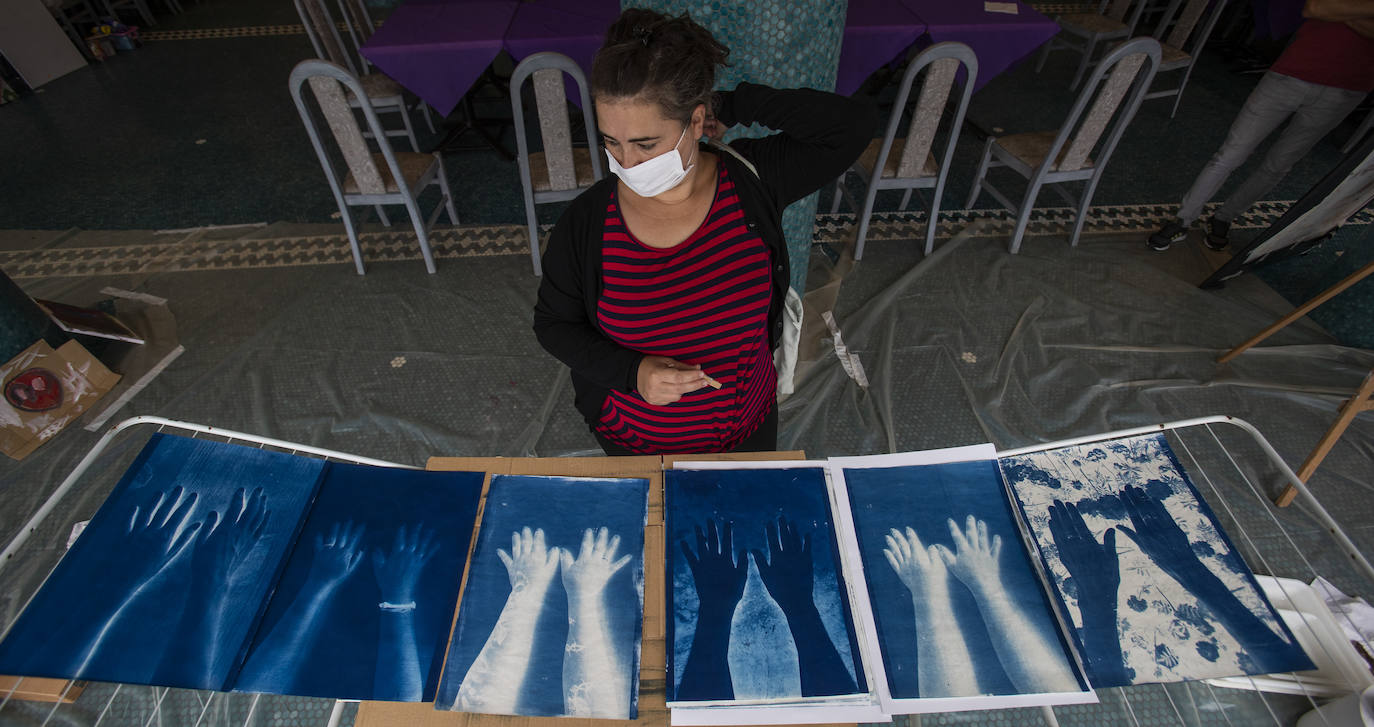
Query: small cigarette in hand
{"points": [[711, 382]]}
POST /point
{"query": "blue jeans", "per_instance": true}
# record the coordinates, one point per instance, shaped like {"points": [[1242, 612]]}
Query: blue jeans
{"points": [[1314, 110]]}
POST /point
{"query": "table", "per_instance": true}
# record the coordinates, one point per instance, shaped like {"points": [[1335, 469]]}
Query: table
{"points": [[438, 48], [998, 39]]}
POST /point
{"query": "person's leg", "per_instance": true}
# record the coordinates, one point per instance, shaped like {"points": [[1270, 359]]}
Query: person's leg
{"points": [[1325, 108], [1269, 104]]}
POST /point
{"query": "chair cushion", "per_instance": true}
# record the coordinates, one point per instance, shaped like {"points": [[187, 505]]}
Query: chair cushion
{"points": [[1091, 24], [1031, 148], [413, 166], [379, 86], [1169, 56], [869, 158], [582, 170]]}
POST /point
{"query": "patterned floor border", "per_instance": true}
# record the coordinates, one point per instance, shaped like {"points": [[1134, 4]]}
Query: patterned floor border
{"points": [[248, 252], [263, 31]]}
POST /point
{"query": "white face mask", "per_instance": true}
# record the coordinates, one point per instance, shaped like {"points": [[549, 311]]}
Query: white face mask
{"points": [[655, 176]]}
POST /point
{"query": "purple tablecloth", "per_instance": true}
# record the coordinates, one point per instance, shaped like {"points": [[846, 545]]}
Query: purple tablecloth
{"points": [[438, 48], [875, 32], [999, 40], [575, 28]]}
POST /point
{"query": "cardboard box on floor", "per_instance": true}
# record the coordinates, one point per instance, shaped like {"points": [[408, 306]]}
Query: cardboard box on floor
{"points": [[653, 658], [71, 375]]}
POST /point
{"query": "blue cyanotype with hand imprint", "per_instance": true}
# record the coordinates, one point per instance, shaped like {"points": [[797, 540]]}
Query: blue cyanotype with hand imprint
{"points": [[363, 607], [758, 609], [195, 555], [1153, 588], [958, 607], [165, 584], [550, 619]]}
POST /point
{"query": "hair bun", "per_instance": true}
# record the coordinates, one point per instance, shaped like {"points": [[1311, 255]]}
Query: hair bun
{"points": [[642, 34]]}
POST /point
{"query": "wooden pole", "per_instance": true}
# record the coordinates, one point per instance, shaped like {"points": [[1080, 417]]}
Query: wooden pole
{"points": [[1302, 310], [1360, 402]]}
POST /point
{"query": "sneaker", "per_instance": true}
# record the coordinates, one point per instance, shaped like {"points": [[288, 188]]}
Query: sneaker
{"points": [[1216, 234], [1167, 235]]}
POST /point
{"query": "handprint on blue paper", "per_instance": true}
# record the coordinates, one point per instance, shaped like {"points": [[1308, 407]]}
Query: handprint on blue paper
{"points": [[218, 554], [493, 682], [787, 573], [398, 573], [1096, 576], [1160, 537], [279, 658], [718, 573]]}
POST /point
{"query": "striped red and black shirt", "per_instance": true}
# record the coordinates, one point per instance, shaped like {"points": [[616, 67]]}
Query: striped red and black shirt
{"points": [[703, 301]]}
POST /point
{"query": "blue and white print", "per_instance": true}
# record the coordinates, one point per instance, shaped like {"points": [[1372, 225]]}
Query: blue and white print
{"points": [[957, 605], [166, 583], [364, 602], [1154, 590], [757, 603], [550, 619]]}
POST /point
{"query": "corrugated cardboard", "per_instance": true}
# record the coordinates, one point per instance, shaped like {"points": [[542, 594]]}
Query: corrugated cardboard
{"points": [[84, 380], [653, 657], [40, 689]]}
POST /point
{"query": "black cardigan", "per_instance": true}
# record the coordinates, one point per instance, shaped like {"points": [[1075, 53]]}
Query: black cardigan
{"points": [[820, 135]]}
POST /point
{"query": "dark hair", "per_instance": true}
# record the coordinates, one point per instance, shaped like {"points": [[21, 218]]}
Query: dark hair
{"points": [[670, 61]]}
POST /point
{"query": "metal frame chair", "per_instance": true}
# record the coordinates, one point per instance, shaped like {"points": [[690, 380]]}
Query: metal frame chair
{"points": [[1108, 23], [559, 172], [384, 94], [367, 178], [1181, 47], [358, 19], [895, 162], [1045, 158]]}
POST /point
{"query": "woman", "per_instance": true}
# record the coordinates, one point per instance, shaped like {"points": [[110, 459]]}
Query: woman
{"points": [[664, 284]]}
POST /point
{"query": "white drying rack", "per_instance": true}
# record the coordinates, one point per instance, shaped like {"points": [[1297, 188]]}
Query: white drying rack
{"points": [[1208, 483]]}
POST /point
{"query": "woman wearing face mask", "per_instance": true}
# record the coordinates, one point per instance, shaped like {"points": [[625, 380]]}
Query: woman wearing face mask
{"points": [[664, 283]]}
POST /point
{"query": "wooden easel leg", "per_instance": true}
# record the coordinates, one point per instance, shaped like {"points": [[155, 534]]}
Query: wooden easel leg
{"points": [[1301, 311], [1359, 403]]}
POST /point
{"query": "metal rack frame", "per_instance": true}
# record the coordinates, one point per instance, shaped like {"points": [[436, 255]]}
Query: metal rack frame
{"points": [[1203, 480]]}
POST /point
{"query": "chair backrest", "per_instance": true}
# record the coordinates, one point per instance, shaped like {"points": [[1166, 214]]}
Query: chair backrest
{"points": [[943, 61], [331, 85], [1177, 25], [360, 28], [324, 33], [551, 105], [1120, 9], [1115, 90]]}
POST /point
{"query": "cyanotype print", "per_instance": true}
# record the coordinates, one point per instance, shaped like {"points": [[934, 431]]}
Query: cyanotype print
{"points": [[363, 605], [757, 605], [958, 608], [165, 584], [1154, 589], [550, 619]]}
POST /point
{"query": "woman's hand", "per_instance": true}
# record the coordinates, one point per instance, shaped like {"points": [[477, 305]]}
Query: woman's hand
{"points": [[712, 128], [663, 380]]}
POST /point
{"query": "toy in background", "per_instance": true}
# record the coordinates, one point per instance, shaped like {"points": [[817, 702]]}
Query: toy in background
{"points": [[111, 37]]}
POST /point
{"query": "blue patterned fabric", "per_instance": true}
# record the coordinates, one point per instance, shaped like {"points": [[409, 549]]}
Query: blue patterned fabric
{"points": [[780, 43]]}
